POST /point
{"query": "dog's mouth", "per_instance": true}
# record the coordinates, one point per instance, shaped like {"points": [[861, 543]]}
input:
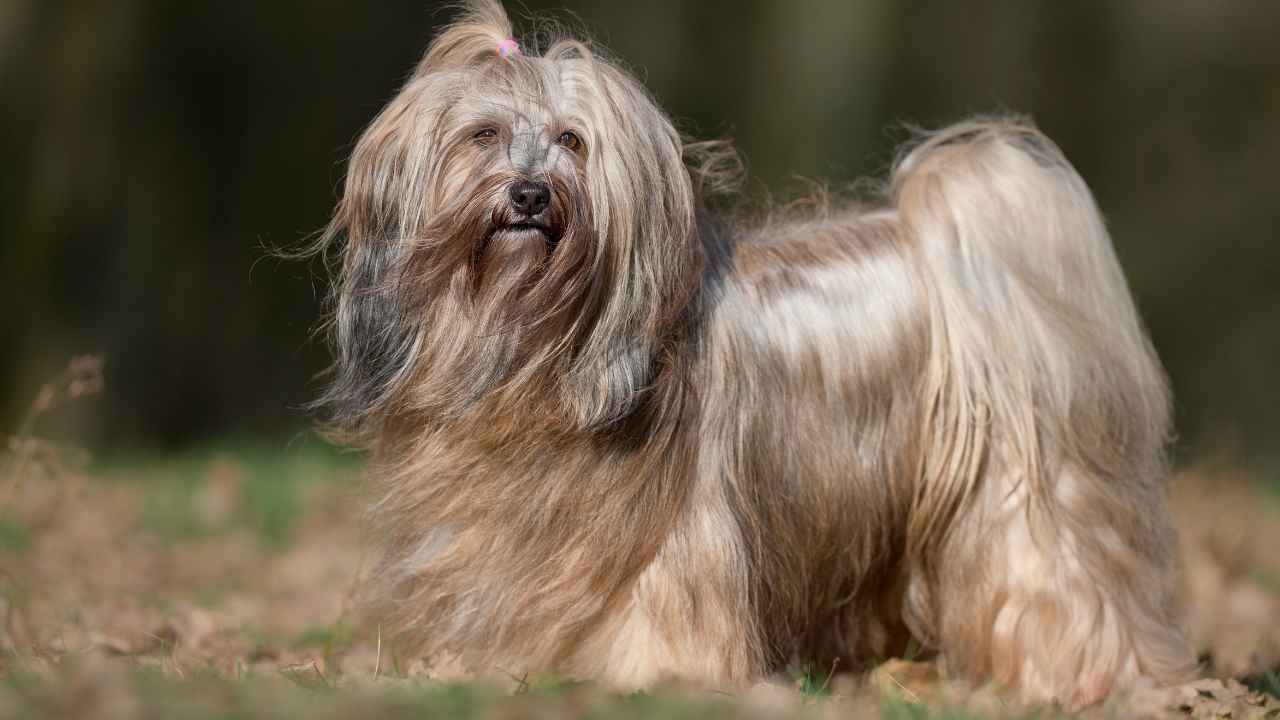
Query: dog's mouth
{"points": [[524, 232], [517, 243]]}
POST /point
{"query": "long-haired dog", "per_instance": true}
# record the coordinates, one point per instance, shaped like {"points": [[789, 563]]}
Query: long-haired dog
{"points": [[618, 436]]}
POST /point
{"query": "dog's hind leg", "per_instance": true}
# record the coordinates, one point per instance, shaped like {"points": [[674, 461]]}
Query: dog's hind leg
{"points": [[1064, 599], [1040, 544]]}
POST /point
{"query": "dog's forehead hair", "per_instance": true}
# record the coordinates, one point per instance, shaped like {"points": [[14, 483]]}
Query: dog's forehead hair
{"points": [[537, 87], [535, 99]]}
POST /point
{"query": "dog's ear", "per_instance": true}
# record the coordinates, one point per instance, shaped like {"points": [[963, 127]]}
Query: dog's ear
{"points": [[480, 34], [370, 229], [650, 258]]}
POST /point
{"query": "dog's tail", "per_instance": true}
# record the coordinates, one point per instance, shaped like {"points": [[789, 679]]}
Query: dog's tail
{"points": [[1038, 355]]}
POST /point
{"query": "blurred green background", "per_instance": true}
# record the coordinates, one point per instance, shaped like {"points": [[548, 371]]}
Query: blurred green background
{"points": [[149, 149]]}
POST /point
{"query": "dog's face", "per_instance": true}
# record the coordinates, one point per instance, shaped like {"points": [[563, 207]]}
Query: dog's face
{"points": [[509, 221]]}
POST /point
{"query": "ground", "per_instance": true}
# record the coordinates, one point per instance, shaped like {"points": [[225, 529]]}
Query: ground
{"points": [[225, 583]]}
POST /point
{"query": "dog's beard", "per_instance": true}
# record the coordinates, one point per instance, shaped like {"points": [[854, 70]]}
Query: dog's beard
{"points": [[509, 262], [505, 301]]}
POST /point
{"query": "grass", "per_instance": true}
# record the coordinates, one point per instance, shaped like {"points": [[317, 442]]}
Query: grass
{"points": [[228, 484], [124, 691], [13, 534], [223, 583], [304, 692], [1267, 681], [121, 690], [810, 681]]}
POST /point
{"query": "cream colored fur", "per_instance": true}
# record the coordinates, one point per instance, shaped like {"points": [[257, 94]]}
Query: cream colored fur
{"points": [[675, 443]]}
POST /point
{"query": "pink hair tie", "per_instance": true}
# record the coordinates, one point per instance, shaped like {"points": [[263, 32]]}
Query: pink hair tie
{"points": [[507, 48]]}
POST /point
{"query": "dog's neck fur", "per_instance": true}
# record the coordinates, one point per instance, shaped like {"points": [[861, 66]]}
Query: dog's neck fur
{"points": [[519, 490]]}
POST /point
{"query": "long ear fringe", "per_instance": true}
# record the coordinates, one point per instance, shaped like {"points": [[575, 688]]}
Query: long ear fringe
{"points": [[474, 37], [1002, 221], [373, 352]]}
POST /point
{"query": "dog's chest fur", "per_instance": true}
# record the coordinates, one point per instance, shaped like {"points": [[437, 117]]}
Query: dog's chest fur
{"points": [[767, 438]]}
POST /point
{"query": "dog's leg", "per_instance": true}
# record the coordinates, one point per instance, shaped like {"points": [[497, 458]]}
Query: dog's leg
{"points": [[688, 617], [1038, 533], [1064, 599]]}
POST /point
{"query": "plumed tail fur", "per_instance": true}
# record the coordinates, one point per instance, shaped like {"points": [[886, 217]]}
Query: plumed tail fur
{"points": [[1035, 334], [1046, 413]]}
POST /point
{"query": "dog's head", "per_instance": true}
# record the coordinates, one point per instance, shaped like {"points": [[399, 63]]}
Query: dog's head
{"points": [[512, 222]]}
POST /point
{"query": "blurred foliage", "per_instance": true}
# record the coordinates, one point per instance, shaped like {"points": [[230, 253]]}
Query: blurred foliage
{"points": [[152, 148]]}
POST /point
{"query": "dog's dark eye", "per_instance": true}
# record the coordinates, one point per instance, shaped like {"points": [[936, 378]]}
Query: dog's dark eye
{"points": [[485, 135], [570, 140]]}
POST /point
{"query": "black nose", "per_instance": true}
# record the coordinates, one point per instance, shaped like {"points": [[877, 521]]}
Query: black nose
{"points": [[530, 198]]}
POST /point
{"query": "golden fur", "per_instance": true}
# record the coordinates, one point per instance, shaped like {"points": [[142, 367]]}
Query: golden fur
{"points": [[648, 441]]}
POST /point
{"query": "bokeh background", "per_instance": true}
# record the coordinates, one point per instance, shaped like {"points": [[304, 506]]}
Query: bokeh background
{"points": [[206, 557], [151, 149]]}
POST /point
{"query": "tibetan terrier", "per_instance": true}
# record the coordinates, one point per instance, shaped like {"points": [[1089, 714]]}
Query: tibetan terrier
{"points": [[620, 432]]}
